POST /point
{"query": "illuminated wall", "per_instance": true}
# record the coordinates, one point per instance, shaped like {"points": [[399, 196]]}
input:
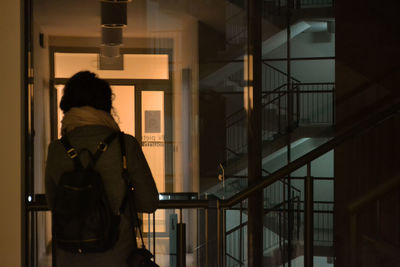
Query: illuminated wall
{"points": [[11, 139], [136, 66]]}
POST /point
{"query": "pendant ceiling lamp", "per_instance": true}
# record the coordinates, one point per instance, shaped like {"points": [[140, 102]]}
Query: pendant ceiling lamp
{"points": [[111, 36], [113, 13], [113, 20]]}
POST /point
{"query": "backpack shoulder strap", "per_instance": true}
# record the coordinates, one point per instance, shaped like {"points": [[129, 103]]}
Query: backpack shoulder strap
{"points": [[130, 195], [71, 152], [103, 146]]}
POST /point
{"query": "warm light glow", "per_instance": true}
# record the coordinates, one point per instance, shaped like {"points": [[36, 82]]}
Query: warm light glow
{"points": [[153, 145], [153, 134], [136, 66], [123, 104], [60, 114], [248, 78], [124, 108]]}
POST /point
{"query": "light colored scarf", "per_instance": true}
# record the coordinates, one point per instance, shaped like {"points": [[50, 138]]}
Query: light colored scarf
{"points": [[82, 116]]}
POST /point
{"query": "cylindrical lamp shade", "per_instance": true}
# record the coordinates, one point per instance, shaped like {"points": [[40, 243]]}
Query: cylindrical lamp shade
{"points": [[111, 36], [113, 13], [110, 50], [111, 63]]}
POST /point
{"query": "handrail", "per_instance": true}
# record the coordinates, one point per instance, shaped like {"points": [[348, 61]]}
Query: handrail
{"points": [[278, 70], [362, 126], [266, 211], [242, 109], [230, 256], [264, 105], [41, 204], [297, 58], [359, 128], [284, 182]]}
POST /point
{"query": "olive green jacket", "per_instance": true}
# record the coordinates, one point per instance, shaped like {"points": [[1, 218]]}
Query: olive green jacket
{"points": [[109, 165]]}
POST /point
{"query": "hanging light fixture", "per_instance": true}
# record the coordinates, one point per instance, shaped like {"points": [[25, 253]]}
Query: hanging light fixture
{"points": [[113, 20], [113, 13], [111, 36]]}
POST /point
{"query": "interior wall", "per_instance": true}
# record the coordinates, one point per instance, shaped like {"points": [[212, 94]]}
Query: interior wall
{"points": [[11, 143], [367, 79], [303, 45]]}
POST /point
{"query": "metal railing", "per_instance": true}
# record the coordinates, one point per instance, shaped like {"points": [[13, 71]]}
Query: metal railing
{"points": [[235, 23], [278, 7], [213, 220], [306, 160], [313, 105]]}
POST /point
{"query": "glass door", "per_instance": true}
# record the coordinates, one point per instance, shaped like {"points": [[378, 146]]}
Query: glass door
{"points": [[123, 107]]}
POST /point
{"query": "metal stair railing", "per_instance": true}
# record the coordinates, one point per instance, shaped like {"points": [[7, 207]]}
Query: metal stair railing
{"points": [[38, 202], [278, 7], [344, 135], [306, 160], [274, 107], [313, 105]]}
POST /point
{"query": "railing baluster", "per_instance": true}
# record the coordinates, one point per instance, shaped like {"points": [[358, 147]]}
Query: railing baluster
{"points": [[241, 233], [308, 218], [154, 235]]}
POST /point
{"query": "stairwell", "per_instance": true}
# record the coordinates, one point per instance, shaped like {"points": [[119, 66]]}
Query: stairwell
{"points": [[312, 118]]}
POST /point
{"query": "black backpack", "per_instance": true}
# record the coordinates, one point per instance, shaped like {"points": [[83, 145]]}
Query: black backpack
{"points": [[83, 221]]}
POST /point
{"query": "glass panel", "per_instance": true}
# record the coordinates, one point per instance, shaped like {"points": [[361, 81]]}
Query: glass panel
{"points": [[323, 173], [166, 243], [153, 134], [194, 130], [60, 114], [153, 144], [274, 86], [40, 239], [236, 235], [136, 66], [123, 107], [222, 100]]}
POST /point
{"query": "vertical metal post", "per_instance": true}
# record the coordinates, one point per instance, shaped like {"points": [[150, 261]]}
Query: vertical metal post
{"points": [[26, 45], [298, 105], [309, 219], [223, 213], [214, 249], [149, 231], [181, 252], [333, 106], [279, 112], [298, 218], [241, 233], [154, 235], [219, 247], [32, 239], [290, 104], [206, 237], [254, 83]]}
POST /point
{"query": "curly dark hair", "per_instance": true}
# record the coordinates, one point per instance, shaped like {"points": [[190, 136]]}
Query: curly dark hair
{"points": [[86, 89]]}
